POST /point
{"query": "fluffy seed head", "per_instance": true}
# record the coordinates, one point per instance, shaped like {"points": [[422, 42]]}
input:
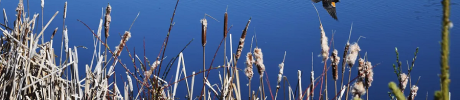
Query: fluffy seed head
{"points": [[354, 50], [369, 73], [413, 92], [324, 46], [241, 43], [404, 79], [122, 44], [259, 61], [358, 88], [361, 68], [249, 63], [280, 74]]}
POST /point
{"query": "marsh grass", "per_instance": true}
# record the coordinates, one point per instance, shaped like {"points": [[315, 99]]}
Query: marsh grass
{"points": [[29, 69]]}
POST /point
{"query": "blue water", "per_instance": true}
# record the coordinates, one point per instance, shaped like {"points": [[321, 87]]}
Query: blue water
{"points": [[281, 25]]}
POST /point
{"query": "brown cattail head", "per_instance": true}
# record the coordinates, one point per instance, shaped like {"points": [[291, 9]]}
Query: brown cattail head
{"points": [[369, 74], [404, 79], [259, 61], [358, 89], [345, 57], [354, 50], [361, 68], [249, 63], [241, 44], [225, 24], [204, 28], [108, 19], [324, 46], [335, 59], [122, 44], [413, 92]]}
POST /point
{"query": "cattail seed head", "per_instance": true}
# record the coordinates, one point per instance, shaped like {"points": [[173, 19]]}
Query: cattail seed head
{"points": [[280, 74], [42, 3], [324, 46], [65, 9], [335, 59], [259, 61], [369, 74], [54, 33], [241, 43], [122, 44], [358, 89], [347, 46], [413, 92], [354, 50], [225, 24], [249, 63], [204, 28], [404, 79], [108, 19], [361, 68]]}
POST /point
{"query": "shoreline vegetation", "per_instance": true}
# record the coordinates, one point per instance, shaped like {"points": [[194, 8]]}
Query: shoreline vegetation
{"points": [[29, 68]]}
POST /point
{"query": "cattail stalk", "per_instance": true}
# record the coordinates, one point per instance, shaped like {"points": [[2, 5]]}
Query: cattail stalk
{"points": [[260, 67], [204, 27], [241, 43], [108, 19], [345, 52], [351, 59], [312, 79], [248, 71], [280, 74], [369, 77], [335, 59]]}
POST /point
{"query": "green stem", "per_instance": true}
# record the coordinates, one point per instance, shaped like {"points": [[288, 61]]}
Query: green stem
{"points": [[399, 95]]}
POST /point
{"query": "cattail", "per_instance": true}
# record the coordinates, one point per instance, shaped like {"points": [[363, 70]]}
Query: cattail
{"points": [[108, 19], [335, 62], [358, 89], [241, 44], [225, 24], [280, 74], [361, 65], [404, 79], [324, 46], [369, 74], [122, 44], [54, 33], [413, 92], [65, 9], [354, 50], [249, 62], [259, 61], [312, 80], [204, 28]]}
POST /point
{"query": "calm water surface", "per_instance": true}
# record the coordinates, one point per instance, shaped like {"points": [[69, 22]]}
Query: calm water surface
{"points": [[281, 25]]}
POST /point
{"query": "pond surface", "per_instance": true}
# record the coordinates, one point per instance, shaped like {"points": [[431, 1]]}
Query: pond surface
{"points": [[281, 25]]}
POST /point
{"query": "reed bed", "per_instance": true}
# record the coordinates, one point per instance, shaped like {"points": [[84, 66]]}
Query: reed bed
{"points": [[29, 69]]}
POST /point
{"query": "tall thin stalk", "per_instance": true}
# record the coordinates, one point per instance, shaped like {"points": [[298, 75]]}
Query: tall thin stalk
{"points": [[445, 46]]}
